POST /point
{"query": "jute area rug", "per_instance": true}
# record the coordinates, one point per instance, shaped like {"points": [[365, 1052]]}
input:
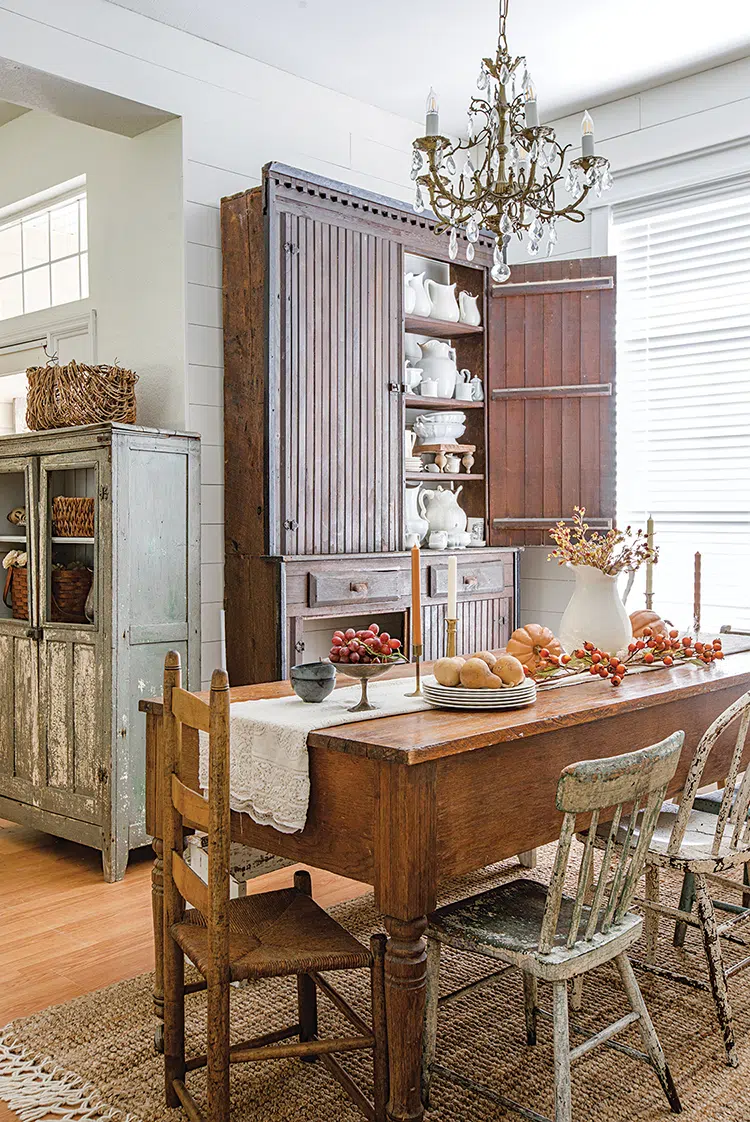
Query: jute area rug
{"points": [[93, 1058]]}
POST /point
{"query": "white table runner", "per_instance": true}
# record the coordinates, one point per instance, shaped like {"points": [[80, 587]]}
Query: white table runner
{"points": [[269, 774]]}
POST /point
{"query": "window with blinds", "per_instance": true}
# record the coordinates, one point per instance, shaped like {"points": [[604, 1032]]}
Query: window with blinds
{"points": [[683, 398]]}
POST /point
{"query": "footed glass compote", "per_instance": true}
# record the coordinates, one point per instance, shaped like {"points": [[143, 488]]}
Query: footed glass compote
{"points": [[363, 672]]}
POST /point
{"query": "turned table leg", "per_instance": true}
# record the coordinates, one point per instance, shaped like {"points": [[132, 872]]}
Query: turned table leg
{"points": [[405, 990], [157, 909]]}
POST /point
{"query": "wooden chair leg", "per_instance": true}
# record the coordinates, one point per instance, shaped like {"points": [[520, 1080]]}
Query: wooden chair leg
{"points": [[717, 977], [174, 1018], [563, 1106], [746, 882], [646, 1028], [307, 992], [217, 1053], [379, 1027], [531, 1003], [651, 922], [687, 899], [429, 1039]]}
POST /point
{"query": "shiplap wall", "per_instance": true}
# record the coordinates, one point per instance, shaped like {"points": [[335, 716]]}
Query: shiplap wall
{"points": [[237, 115], [687, 132]]}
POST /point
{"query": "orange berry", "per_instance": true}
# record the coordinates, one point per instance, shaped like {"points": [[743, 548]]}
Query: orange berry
{"points": [[579, 653], [686, 641], [646, 632], [596, 658], [620, 669], [603, 672], [649, 658], [544, 653], [674, 633], [632, 647], [616, 680], [718, 654], [668, 660], [699, 647], [640, 645], [589, 647], [565, 659], [717, 644], [593, 670]]}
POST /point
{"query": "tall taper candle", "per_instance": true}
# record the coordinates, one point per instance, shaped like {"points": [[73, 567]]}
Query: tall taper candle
{"points": [[650, 564], [452, 588], [416, 598], [587, 135], [697, 594]]}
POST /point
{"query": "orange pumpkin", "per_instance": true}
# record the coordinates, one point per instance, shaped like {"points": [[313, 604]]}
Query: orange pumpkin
{"points": [[526, 642], [645, 618]]}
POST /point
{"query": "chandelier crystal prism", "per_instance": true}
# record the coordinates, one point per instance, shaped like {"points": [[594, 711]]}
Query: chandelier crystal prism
{"points": [[503, 177]]}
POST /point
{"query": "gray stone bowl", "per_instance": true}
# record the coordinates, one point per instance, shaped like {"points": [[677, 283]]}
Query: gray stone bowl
{"points": [[313, 681]]}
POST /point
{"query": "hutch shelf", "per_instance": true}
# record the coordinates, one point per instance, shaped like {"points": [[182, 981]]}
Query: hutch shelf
{"points": [[316, 410], [72, 743]]}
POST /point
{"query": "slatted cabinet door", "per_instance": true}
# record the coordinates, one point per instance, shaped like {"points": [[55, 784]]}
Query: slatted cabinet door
{"points": [[551, 419], [19, 672], [75, 658], [340, 422]]}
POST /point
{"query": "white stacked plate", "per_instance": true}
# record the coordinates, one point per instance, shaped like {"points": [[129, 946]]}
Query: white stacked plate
{"points": [[413, 463], [457, 697]]}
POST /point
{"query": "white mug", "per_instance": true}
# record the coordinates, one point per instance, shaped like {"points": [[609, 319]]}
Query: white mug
{"points": [[464, 392], [438, 539], [429, 387]]}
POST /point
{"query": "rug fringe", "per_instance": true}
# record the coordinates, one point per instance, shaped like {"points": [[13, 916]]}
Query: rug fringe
{"points": [[35, 1087]]}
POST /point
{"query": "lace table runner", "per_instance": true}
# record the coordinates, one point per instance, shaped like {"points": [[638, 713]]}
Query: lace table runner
{"points": [[269, 774]]}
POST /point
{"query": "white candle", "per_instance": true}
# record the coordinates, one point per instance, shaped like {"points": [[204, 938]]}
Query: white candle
{"points": [[587, 135], [531, 108], [432, 119], [452, 586], [649, 563]]}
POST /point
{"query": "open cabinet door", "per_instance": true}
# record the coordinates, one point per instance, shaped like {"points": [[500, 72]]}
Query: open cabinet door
{"points": [[551, 420]]}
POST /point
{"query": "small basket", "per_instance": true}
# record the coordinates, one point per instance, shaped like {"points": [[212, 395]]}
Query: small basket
{"points": [[70, 588], [76, 394], [72, 517]]}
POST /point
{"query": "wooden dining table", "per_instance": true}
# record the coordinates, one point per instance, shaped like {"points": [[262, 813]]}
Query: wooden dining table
{"points": [[407, 802]]}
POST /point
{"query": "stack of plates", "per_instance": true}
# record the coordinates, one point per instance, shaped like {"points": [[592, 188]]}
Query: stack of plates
{"points": [[413, 463], [457, 697]]}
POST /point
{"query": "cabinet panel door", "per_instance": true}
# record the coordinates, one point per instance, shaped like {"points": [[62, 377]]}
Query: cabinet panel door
{"points": [[340, 419], [483, 625], [552, 398]]}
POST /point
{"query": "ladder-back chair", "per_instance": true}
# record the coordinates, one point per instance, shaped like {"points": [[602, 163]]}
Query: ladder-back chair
{"points": [[554, 937], [704, 845], [263, 935]]}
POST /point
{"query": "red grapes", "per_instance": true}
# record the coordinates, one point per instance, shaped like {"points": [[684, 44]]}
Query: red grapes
{"points": [[365, 646]]}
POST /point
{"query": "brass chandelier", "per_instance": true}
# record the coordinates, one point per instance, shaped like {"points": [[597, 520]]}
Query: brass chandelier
{"points": [[510, 167]]}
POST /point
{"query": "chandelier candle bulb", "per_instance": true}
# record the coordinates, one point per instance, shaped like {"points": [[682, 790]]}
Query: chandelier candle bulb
{"points": [[587, 135], [531, 108], [432, 119]]}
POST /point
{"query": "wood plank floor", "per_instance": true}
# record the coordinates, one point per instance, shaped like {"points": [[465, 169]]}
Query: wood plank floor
{"points": [[64, 932]]}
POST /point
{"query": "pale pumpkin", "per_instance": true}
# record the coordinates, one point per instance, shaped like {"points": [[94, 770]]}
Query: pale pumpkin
{"points": [[526, 642], [644, 618]]}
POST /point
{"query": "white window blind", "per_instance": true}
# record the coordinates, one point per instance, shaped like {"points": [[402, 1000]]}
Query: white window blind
{"points": [[683, 398]]}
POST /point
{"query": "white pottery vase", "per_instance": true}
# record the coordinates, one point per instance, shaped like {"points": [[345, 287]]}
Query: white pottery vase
{"points": [[414, 522], [422, 302], [469, 309], [410, 296], [443, 301], [595, 613]]}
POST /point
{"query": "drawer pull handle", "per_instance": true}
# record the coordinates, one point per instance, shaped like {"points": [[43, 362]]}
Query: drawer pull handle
{"points": [[471, 582], [359, 586]]}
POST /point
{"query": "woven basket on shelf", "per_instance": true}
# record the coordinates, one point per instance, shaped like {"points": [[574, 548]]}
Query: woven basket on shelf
{"points": [[76, 394], [70, 587], [72, 517]]}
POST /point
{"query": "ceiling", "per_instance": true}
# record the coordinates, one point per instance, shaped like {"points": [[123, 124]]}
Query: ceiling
{"points": [[9, 112], [581, 52]]}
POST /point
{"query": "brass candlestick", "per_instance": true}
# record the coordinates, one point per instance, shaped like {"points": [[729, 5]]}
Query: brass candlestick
{"points": [[416, 651], [450, 642]]}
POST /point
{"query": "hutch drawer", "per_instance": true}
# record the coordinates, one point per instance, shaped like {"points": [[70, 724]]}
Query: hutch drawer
{"points": [[474, 578], [353, 587]]}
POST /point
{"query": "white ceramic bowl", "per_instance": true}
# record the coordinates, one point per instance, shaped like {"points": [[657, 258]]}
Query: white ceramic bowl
{"points": [[436, 431], [443, 415]]}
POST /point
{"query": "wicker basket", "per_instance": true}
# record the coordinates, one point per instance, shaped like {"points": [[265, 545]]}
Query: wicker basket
{"points": [[76, 394], [72, 517], [70, 587]]}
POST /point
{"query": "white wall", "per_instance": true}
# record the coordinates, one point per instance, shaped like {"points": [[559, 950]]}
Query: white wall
{"points": [[687, 132], [136, 249], [237, 115]]}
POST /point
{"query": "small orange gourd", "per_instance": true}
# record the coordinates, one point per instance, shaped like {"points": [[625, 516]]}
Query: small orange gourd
{"points": [[526, 642], [645, 618]]}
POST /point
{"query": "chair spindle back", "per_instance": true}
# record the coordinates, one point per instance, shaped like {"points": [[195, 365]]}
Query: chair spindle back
{"points": [[732, 811], [638, 779], [182, 804]]}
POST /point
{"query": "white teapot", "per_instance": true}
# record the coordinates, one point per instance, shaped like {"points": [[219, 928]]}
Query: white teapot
{"points": [[421, 305], [441, 509], [443, 300], [438, 364], [415, 524]]}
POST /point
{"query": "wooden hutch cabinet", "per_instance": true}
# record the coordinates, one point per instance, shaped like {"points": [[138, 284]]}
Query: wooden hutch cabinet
{"points": [[315, 412]]}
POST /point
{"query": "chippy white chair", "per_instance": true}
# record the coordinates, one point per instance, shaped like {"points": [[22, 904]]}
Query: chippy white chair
{"points": [[704, 845], [554, 937]]}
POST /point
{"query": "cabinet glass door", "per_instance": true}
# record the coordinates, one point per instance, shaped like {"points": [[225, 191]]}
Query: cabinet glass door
{"points": [[17, 543]]}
